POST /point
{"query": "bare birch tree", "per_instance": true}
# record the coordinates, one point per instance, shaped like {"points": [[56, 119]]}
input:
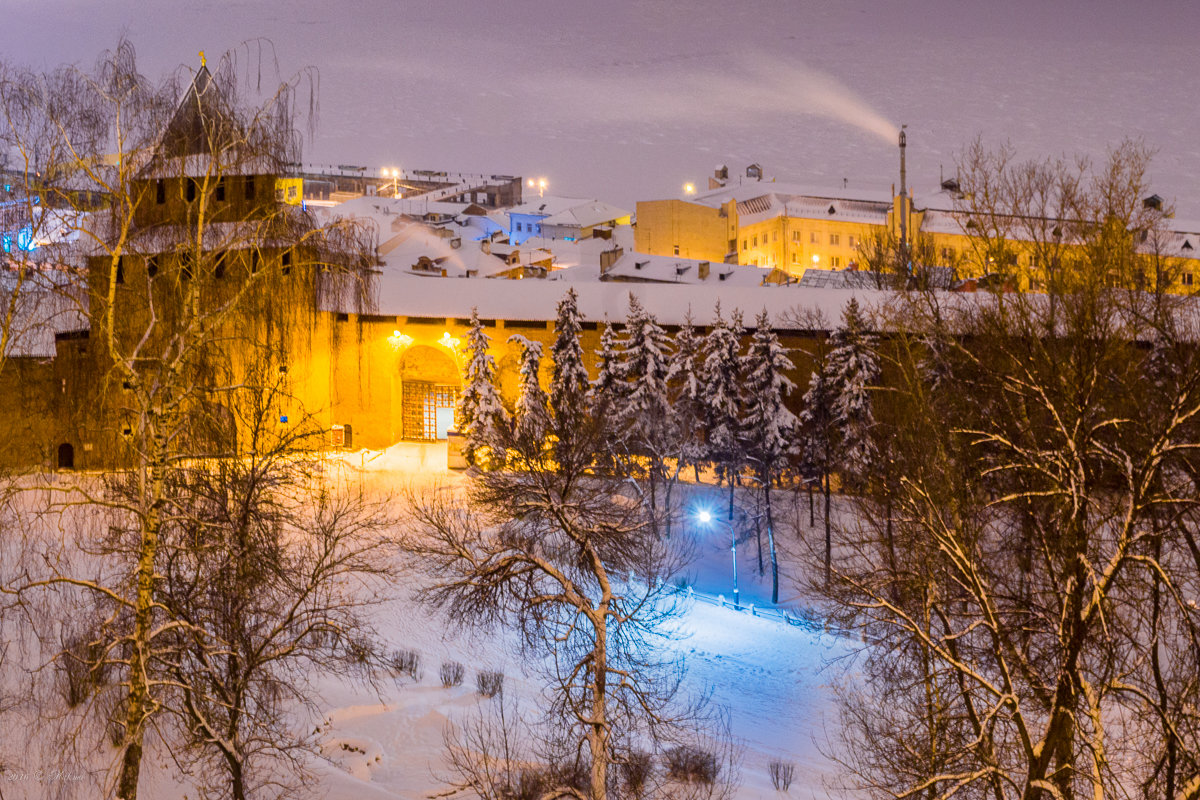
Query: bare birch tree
{"points": [[188, 260]]}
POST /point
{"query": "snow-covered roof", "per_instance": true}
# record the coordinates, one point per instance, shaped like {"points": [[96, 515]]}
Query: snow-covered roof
{"points": [[403, 242], [404, 294], [582, 251], [866, 211], [715, 198], [673, 269], [585, 215], [39, 313], [549, 205]]}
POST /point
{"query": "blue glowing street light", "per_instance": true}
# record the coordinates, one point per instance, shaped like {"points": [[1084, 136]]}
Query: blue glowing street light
{"points": [[705, 517]]}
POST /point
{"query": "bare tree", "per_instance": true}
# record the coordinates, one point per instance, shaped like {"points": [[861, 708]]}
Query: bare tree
{"points": [[189, 259], [559, 551], [267, 568], [1027, 595]]}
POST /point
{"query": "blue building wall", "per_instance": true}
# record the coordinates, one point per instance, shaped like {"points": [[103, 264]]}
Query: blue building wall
{"points": [[522, 226]]}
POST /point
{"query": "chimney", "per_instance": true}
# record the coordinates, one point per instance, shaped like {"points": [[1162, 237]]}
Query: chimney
{"points": [[702, 270], [609, 257], [903, 200]]}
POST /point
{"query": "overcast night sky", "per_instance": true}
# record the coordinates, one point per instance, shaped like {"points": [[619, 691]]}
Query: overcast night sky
{"points": [[628, 102]]}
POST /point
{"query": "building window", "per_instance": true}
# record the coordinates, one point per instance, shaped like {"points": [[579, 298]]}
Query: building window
{"points": [[796, 236], [1187, 278], [676, 249], [220, 190], [120, 269], [774, 236], [795, 258], [152, 265], [190, 190], [219, 266], [744, 245], [160, 191], [285, 261], [835, 261], [755, 240], [835, 239], [812, 238], [850, 241], [249, 187]]}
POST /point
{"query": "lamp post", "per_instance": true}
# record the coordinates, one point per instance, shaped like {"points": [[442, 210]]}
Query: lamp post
{"points": [[705, 517]]}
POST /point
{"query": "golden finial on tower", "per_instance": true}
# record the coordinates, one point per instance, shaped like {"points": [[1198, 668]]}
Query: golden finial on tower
{"points": [[203, 61]]}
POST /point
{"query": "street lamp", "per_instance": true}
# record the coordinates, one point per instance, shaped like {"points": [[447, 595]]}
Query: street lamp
{"points": [[705, 517]]}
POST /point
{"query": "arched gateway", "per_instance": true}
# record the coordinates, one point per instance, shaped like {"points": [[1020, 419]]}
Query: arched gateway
{"points": [[429, 389]]}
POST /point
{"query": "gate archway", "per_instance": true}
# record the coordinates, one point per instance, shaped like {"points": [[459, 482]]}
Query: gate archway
{"points": [[429, 388]]}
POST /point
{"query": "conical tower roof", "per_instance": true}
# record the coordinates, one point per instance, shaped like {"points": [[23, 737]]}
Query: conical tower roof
{"points": [[201, 115]]}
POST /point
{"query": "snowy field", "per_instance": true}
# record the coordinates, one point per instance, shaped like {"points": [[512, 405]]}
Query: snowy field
{"points": [[387, 741], [628, 99]]}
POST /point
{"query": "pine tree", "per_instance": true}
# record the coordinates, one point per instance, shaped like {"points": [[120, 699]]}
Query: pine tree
{"points": [[685, 383], [608, 388], [645, 413], [768, 422], [531, 419], [723, 400], [569, 384], [854, 367], [481, 415]]}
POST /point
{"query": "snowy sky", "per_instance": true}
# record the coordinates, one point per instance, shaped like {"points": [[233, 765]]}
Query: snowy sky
{"points": [[628, 99]]}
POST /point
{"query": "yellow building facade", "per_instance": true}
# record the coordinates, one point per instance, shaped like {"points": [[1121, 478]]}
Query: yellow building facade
{"points": [[792, 229]]}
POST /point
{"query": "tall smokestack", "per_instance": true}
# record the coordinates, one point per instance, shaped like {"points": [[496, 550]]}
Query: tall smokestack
{"points": [[903, 201]]}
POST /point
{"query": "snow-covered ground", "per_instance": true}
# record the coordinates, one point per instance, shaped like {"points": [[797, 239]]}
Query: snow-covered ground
{"points": [[770, 674], [386, 741], [626, 100]]}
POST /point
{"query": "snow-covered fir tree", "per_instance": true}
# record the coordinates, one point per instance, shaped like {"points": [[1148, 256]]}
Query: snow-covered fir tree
{"points": [[645, 413], [569, 384], [531, 416], [725, 448], [609, 386], [854, 369], [645, 364], [481, 415], [685, 384], [768, 424]]}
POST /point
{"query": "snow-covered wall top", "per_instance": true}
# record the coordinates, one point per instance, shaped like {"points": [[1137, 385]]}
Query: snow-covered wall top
{"points": [[404, 295]]}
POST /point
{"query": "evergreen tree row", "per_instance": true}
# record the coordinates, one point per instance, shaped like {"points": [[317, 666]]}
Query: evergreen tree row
{"points": [[690, 401]]}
